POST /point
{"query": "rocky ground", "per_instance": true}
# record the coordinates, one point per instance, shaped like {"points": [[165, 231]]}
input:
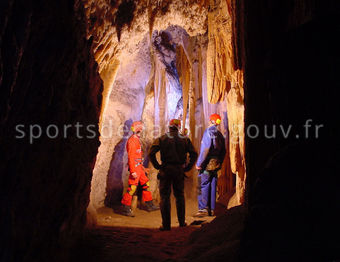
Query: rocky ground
{"points": [[118, 239]]}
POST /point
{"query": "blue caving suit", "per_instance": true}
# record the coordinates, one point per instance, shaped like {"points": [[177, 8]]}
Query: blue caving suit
{"points": [[210, 160]]}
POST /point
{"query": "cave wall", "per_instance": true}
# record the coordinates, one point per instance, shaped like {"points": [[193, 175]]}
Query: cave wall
{"points": [[119, 30], [289, 52], [118, 26], [225, 83], [124, 105], [47, 76]]}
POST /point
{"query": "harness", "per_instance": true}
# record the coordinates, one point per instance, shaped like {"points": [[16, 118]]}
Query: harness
{"points": [[139, 161]]}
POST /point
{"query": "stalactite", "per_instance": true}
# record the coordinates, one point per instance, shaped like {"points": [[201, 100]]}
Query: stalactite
{"points": [[192, 104], [218, 56], [108, 76], [151, 17], [225, 83], [161, 112], [184, 69]]}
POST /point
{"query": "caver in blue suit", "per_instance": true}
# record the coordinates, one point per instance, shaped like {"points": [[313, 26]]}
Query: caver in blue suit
{"points": [[210, 160]]}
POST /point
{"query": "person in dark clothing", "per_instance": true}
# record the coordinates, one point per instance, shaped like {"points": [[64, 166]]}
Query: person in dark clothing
{"points": [[173, 148], [210, 160]]}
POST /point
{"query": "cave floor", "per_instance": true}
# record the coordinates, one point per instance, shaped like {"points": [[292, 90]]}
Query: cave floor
{"points": [[143, 219], [120, 238], [137, 244]]}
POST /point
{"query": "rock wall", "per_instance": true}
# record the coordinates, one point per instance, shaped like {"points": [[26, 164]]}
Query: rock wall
{"points": [[172, 90], [125, 105], [119, 30], [289, 59], [47, 77], [117, 27], [225, 83]]}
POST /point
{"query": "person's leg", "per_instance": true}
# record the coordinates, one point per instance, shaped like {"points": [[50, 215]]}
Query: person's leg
{"points": [[178, 186], [203, 194], [146, 193], [213, 186], [164, 191], [127, 199], [144, 181]]}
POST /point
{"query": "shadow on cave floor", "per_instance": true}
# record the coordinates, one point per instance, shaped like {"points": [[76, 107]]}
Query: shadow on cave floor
{"points": [[123, 242], [143, 219], [134, 244]]}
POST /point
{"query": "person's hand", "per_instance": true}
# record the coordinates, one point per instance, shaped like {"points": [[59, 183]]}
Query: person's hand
{"points": [[146, 170], [185, 168], [198, 168], [134, 175]]}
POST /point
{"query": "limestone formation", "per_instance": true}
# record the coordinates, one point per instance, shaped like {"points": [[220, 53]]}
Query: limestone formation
{"points": [[161, 60]]}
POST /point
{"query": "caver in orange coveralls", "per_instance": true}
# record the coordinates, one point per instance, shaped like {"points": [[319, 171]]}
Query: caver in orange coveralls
{"points": [[137, 172]]}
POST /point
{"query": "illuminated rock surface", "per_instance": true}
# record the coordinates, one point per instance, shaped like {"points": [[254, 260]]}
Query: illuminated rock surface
{"points": [[164, 72], [61, 63]]}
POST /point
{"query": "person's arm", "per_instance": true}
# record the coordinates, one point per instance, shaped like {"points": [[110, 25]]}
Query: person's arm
{"points": [[192, 155], [223, 151], [205, 146], [131, 150], [152, 153]]}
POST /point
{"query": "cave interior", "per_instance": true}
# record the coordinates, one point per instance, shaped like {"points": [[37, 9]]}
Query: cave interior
{"points": [[74, 75]]}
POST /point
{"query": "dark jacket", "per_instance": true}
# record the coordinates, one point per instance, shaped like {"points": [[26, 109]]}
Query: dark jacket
{"points": [[173, 148], [212, 146]]}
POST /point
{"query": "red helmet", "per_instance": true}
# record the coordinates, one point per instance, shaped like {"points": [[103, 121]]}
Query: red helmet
{"points": [[137, 126], [216, 118], [175, 122]]}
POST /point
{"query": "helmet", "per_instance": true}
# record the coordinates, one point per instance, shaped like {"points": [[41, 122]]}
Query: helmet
{"points": [[175, 122], [137, 126], [216, 119]]}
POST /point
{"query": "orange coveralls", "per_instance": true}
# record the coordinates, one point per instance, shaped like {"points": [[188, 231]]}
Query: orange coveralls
{"points": [[135, 162]]}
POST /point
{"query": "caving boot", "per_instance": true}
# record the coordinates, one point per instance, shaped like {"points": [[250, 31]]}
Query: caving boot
{"points": [[212, 213], [150, 206], [126, 211], [202, 213]]}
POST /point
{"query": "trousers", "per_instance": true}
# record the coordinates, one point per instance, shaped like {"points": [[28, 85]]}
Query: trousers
{"points": [[172, 175], [133, 183], [207, 182]]}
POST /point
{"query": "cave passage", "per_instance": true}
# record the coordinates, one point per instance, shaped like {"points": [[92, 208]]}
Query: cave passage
{"points": [[162, 79], [104, 64], [175, 68]]}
